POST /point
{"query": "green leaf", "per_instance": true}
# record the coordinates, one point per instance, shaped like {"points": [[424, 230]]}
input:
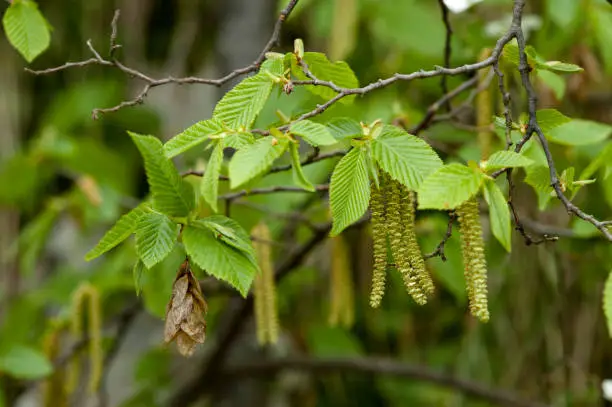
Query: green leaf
{"points": [[349, 190], [549, 119], [252, 161], [505, 159], [580, 132], [538, 176], [241, 105], [274, 65], [343, 127], [26, 29], [407, 158], [231, 233], [554, 81], [34, 236], [607, 303], [337, 72], [238, 140], [155, 238], [601, 21], [499, 214], [125, 226], [558, 66], [192, 136], [449, 187], [209, 186], [296, 167], [22, 362], [171, 194], [603, 158], [315, 134], [219, 259], [137, 271]]}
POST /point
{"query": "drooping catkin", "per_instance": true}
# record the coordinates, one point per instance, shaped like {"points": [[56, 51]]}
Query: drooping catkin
{"points": [[399, 248], [379, 245], [474, 262], [407, 201], [342, 302], [87, 298], [54, 391], [266, 312]]}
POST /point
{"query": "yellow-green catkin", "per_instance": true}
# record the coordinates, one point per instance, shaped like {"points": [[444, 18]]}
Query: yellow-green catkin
{"points": [[407, 201], [54, 391], [474, 262], [399, 248], [484, 109], [379, 245], [266, 312], [87, 297], [342, 300]]}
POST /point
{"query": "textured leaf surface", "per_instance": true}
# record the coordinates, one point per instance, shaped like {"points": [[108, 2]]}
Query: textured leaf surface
{"points": [[607, 303], [219, 259], [580, 132], [232, 233], [406, 158], [171, 195], [449, 187], [343, 127], [315, 134], [337, 72], [240, 106], [506, 159], [125, 226], [137, 273], [252, 161], [296, 167], [155, 238], [209, 186], [192, 136], [26, 29], [26, 363], [499, 214], [349, 190]]}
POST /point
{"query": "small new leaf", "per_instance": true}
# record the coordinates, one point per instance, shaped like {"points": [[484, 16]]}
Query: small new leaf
{"points": [[192, 136], [343, 127], [296, 167], [548, 119], [125, 226], [580, 132], [505, 159], [171, 194], [449, 187], [499, 214], [349, 190], [252, 161], [337, 72], [315, 134], [26, 28], [218, 258], [404, 157], [209, 186], [155, 238], [232, 233]]}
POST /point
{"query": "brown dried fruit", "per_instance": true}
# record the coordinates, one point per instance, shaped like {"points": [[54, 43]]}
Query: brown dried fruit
{"points": [[185, 312]]}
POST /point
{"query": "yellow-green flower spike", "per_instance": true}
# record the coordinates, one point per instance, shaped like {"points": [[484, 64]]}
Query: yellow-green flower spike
{"points": [[474, 262], [266, 312], [399, 248], [379, 245], [407, 200], [342, 301]]}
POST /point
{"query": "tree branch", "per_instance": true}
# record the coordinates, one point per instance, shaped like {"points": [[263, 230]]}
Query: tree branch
{"points": [[447, 49], [379, 366]]}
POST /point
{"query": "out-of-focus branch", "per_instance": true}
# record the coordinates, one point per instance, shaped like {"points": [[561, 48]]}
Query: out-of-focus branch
{"points": [[379, 366], [447, 49]]}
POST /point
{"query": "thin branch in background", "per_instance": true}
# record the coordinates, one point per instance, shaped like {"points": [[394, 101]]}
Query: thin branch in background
{"points": [[379, 367], [447, 49], [439, 251], [270, 190], [151, 82], [113, 38], [311, 159]]}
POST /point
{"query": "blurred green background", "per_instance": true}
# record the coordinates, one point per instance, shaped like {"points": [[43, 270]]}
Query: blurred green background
{"points": [[65, 178]]}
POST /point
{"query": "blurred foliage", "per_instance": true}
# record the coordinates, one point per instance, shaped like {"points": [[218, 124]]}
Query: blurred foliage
{"points": [[72, 177]]}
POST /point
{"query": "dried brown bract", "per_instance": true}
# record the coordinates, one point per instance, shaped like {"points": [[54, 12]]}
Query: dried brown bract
{"points": [[185, 312]]}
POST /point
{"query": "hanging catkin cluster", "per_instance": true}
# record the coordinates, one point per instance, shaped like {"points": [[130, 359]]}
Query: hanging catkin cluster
{"points": [[393, 218], [474, 263], [54, 389], [264, 287]]}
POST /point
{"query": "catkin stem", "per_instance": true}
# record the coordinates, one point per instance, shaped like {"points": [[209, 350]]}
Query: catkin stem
{"points": [[474, 262], [379, 238], [266, 312]]}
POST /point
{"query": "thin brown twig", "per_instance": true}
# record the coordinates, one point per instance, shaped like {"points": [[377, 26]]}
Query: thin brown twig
{"points": [[439, 251], [447, 49], [269, 190]]}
